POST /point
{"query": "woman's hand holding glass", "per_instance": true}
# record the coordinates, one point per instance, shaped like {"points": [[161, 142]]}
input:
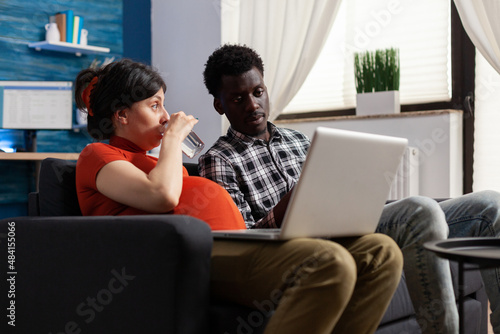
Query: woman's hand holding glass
{"points": [[191, 144]]}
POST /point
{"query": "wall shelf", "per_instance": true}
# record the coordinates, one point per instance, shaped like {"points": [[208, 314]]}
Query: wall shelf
{"points": [[77, 49]]}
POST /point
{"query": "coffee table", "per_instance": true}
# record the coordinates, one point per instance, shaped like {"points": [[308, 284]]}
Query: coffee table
{"points": [[483, 252]]}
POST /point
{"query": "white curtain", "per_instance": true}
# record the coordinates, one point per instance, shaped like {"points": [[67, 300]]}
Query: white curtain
{"points": [[486, 122], [481, 22], [288, 35], [419, 29]]}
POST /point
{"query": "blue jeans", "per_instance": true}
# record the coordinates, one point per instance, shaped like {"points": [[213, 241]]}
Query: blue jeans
{"points": [[412, 222]]}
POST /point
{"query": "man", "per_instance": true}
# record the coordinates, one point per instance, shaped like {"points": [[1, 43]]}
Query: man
{"points": [[313, 285], [259, 164]]}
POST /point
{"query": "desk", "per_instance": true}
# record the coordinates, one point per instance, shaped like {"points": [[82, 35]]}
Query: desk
{"points": [[37, 157], [484, 252]]}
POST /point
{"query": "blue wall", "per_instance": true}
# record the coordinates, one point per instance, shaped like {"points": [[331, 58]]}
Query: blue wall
{"points": [[22, 22], [137, 30]]}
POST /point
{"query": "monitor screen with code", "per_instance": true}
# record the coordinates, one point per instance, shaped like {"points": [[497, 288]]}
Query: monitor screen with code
{"points": [[38, 105]]}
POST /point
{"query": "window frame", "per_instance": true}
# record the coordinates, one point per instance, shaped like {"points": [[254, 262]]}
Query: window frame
{"points": [[463, 63]]}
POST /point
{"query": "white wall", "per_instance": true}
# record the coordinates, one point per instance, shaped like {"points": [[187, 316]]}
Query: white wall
{"points": [[184, 33], [438, 136]]}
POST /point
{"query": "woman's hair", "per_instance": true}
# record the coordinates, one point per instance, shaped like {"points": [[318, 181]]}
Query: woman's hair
{"points": [[114, 87], [231, 60]]}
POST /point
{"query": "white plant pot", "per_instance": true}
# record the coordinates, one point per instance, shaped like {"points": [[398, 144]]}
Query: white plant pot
{"points": [[378, 103]]}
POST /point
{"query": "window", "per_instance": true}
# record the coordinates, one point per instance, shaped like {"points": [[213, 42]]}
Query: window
{"points": [[420, 29], [486, 135]]}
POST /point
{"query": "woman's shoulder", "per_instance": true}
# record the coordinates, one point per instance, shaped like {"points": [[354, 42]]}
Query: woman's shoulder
{"points": [[100, 149], [94, 148], [97, 153]]}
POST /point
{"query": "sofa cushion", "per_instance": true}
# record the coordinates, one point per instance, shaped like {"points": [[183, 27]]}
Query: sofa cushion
{"points": [[57, 188], [192, 169], [472, 278]]}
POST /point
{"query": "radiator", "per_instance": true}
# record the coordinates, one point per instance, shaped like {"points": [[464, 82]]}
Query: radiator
{"points": [[406, 179]]}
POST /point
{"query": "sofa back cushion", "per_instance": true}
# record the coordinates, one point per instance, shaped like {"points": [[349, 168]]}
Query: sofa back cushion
{"points": [[192, 168], [57, 188]]}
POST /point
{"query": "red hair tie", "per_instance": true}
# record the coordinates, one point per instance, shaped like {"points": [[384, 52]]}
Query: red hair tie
{"points": [[86, 95]]}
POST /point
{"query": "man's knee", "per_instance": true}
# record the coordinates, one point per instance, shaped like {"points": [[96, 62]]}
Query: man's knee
{"points": [[385, 250], [330, 261], [489, 197], [426, 218], [424, 206], [489, 200]]}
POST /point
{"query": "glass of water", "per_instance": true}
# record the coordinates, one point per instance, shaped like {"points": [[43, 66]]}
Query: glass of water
{"points": [[192, 145]]}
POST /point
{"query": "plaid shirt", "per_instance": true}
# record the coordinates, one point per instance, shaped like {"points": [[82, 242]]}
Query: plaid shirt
{"points": [[257, 174]]}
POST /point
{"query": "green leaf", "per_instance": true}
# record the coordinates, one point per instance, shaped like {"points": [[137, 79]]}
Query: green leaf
{"points": [[377, 70]]}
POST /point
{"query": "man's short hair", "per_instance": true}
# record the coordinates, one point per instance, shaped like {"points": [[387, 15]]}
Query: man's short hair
{"points": [[229, 59]]}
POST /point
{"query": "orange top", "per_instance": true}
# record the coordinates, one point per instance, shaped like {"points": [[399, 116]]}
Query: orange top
{"points": [[200, 197]]}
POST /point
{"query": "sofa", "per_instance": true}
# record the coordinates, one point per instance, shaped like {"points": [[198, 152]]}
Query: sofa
{"points": [[137, 274]]}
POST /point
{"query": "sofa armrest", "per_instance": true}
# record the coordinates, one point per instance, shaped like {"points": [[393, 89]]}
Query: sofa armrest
{"points": [[128, 274]]}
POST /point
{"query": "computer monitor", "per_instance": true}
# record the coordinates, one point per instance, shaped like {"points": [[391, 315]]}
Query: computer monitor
{"points": [[36, 105]]}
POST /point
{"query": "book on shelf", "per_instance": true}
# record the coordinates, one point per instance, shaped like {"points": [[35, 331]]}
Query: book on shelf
{"points": [[61, 25], [77, 29], [69, 25]]}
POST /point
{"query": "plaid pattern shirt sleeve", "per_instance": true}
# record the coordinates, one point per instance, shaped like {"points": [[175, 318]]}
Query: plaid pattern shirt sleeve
{"points": [[221, 171], [256, 174]]}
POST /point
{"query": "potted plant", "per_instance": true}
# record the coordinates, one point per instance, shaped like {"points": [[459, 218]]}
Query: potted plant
{"points": [[377, 82]]}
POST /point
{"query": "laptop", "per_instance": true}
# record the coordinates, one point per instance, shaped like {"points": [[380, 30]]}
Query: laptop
{"points": [[342, 190]]}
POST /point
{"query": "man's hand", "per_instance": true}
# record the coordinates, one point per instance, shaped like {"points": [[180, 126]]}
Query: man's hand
{"points": [[280, 208]]}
